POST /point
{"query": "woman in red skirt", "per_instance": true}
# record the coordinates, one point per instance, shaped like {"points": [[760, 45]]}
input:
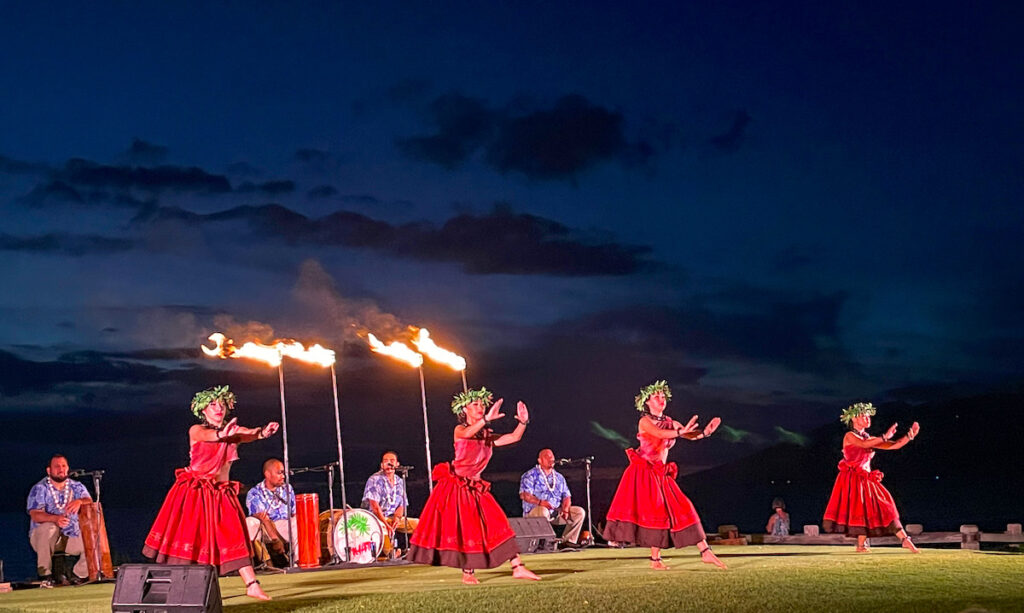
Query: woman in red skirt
{"points": [[649, 509], [462, 525], [201, 520], [860, 505]]}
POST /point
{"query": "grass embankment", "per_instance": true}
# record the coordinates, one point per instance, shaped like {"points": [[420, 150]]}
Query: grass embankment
{"points": [[760, 578]]}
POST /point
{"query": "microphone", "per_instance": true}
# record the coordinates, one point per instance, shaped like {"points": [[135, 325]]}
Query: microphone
{"points": [[564, 461], [81, 472], [403, 467]]}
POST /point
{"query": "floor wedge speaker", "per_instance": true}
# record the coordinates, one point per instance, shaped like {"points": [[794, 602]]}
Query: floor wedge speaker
{"points": [[166, 588], [534, 534]]}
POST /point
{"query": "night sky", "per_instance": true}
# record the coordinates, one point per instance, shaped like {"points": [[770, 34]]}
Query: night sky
{"points": [[779, 208]]}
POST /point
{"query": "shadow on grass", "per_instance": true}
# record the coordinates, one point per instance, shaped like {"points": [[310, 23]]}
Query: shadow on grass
{"points": [[291, 604]]}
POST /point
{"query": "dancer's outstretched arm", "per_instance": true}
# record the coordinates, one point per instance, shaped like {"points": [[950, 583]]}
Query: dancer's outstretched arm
{"points": [[472, 429], [523, 417], [883, 442]]}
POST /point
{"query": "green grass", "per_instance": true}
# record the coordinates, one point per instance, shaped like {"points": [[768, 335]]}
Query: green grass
{"points": [[760, 578]]}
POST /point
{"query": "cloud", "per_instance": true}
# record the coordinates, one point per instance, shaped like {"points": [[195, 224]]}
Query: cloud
{"points": [[548, 144], [731, 140], [144, 153], [65, 244], [351, 318], [463, 125], [79, 172], [12, 166], [558, 143], [312, 156], [797, 331], [243, 169], [18, 376], [272, 188], [322, 191], [501, 242]]}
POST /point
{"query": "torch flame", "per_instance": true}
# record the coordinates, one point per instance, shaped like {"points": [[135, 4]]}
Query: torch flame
{"points": [[317, 354], [430, 349], [272, 355], [397, 350]]}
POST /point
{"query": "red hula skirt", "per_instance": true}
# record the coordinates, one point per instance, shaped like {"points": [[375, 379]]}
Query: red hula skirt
{"points": [[462, 525], [649, 509], [860, 504], [200, 522]]}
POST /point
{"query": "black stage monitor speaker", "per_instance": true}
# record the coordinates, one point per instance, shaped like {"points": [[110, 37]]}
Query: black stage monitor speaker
{"points": [[163, 588], [534, 534]]}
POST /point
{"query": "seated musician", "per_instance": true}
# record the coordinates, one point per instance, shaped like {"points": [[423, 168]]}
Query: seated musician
{"points": [[385, 496], [270, 503], [53, 505], [545, 493]]}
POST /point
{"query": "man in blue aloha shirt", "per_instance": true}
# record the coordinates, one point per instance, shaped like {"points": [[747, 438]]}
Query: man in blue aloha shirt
{"points": [[385, 497], [545, 493], [271, 503], [53, 505]]}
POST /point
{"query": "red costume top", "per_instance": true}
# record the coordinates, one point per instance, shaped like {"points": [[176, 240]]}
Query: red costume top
{"points": [[860, 504], [462, 525], [472, 456], [206, 458], [649, 509], [201, 520], [653, 448]]}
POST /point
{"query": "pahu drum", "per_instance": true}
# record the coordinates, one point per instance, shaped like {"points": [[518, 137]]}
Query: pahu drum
{"points": [[307, 509], [367, 536]]}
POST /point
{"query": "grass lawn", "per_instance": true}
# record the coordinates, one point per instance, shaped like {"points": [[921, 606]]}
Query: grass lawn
{"points": [[760, 578]]}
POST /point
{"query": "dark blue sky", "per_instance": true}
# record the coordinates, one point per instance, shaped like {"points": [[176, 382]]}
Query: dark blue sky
{"points": [[778, 208]]}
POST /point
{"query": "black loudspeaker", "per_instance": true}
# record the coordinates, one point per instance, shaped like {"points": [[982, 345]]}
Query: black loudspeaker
{"points": [[534, 534], [163, 588]]}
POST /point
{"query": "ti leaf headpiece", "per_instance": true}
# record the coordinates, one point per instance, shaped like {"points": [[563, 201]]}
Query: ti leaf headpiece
{"points": [[205, 397], [464, 398], [855, 409], [650, 390]]}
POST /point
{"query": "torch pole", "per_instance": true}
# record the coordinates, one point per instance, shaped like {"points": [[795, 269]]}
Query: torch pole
{"points": [[426, 430], [341, 473], [465, 388], [289, 493]]}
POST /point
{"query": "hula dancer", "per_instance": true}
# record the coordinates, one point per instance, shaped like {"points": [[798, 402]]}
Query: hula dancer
{"points": [[201, 520], [462, 525], [649, 509], [860, 505]]}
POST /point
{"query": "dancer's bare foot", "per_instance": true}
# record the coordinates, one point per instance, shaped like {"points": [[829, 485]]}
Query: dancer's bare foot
{"points": [[657, 564], [254, 590], [519, 571], [708, 557], [909, 544], [469, 578]]}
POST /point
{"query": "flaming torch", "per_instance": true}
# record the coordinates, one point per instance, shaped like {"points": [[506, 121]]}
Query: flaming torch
{"points": [[273, 356], [429, 348], [402, 352]]}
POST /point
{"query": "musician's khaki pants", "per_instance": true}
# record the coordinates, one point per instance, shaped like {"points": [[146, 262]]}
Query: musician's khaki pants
{"points": [[256, 529], [44, 541], [573, 526]]}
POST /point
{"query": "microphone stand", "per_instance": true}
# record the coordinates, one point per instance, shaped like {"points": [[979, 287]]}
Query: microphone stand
{"points": [[405, 500], [590, 518]]}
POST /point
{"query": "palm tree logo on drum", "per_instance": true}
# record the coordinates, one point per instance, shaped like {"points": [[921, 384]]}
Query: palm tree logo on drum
{"points": [[358, 524]]}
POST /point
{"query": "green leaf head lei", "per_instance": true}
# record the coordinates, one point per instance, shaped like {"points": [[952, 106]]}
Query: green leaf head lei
{"points": [[461, 400], [205, 397], [650, 390], [855, 409]]}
